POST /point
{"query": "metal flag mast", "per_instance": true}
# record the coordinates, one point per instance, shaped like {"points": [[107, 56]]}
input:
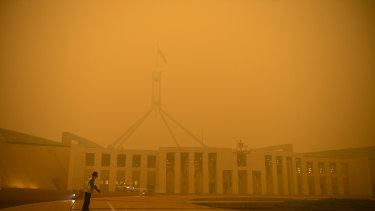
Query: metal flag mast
{"points": [[155, 106]]}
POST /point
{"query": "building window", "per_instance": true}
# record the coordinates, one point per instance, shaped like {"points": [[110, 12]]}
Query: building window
{"points": [[268, 160], [198, 172], [269, 174], [151, 181], [104, 180], [120, 181], [311, 185], [106, 159], [184, 172], [170, 160], [334, 185], [136, 161], [298, 165], [151, 161], [309, 168], [323, 185], [121, 158], [136, 178], [257, 182], [322, 169], [198, 158], [90, 159], [212, 157], [332, 168], [227, 181], [346, 185], [242, 182], [280, 175], [279, 165], [241, 159], [278, 160], [289, 168], [170, 173]]}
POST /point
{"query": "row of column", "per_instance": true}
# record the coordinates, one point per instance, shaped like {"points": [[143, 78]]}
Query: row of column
{"points": [[290, 178]]}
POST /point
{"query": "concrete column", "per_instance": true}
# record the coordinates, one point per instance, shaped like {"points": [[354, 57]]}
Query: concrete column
{"points": [[128, 168], [295, 175], [329, 185], [162, 173], [285, 175], [157, 172], [205, 172], [340, 185], [98, 166], [177, 172], [328, 178], [112, 172], [316, 178], [219, 173], [249, 179], [191, 173], [143, 171], [263, 182], [274, 176], [235, 180], [98, 162], [305, 186]]}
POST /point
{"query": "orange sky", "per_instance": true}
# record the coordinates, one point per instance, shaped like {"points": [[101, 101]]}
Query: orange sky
{"points": [[267, 72]]}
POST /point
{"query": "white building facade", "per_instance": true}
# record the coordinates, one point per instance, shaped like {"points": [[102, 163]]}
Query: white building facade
{"points": [[205, 170]]}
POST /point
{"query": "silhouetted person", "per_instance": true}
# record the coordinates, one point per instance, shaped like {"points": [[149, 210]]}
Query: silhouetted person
{"points": [[89, 188]]}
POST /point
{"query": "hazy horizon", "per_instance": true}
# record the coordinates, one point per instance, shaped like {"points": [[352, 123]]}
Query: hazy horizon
{"points": [[264, 72]]}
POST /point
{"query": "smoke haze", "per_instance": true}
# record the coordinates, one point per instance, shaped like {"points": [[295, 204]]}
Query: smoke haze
{"points": [[266, 72]]}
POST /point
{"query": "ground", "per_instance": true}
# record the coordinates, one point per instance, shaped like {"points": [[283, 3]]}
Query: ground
{"points": [[19, 200]]}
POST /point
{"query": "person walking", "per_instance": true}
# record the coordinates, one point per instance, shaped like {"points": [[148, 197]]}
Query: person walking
{"points": [[89, 188]]}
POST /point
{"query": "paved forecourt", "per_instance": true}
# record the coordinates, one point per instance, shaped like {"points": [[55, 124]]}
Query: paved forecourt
{"points": [[142, 203], [134, 203]]}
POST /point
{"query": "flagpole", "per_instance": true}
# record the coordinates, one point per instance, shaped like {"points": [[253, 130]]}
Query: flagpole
{"points": [[157, 56]]}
